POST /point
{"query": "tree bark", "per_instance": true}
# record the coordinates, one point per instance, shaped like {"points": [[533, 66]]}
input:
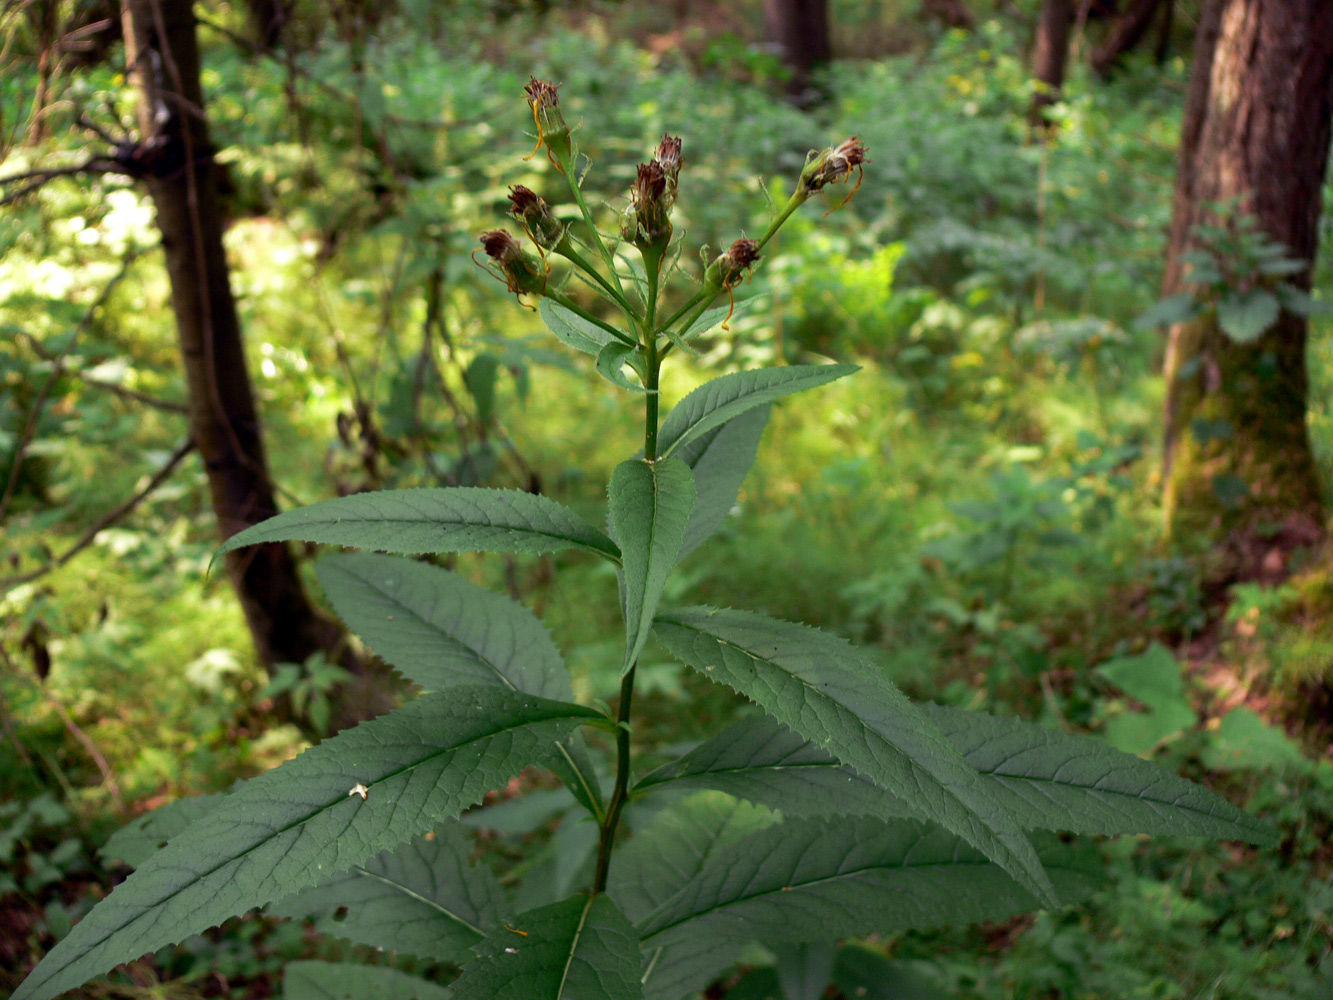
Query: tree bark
{"points": [[799, 29], [950, 13], [1256, 132], [175, 158], [1124, 35], [1050, 55]]}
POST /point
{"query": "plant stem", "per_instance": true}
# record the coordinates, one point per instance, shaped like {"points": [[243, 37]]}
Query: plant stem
{"points": [[567, 168], [652, 370]]}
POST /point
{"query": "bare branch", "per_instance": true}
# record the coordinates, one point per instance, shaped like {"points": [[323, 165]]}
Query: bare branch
{"points": [[105, 521], [97, 164], [167, 405]]}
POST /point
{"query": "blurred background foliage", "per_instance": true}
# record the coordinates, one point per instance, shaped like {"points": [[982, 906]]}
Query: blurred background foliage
{"points": [[979, 507]]}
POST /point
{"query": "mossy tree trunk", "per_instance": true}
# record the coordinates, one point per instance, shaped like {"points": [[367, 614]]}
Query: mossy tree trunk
{"points": [[1256, 133], [175, 160]]}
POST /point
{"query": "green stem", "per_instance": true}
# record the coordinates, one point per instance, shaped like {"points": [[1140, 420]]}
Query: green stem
{"points": [[652, 369], [567, 168], [793, 203], [566, 250]]}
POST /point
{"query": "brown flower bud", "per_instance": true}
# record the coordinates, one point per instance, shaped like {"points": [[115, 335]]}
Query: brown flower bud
{"points": [[651, 223], [833, 165], [668, 158], [729, 268], [536, 216], [551, 127], [521, 271]]}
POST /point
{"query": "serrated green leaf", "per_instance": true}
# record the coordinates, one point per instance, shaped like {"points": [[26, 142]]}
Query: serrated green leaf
{"points": [[1168, 311], [820, 879], [662, 860], [334, 807], [348, 981], [650, 504], [572, 764], [425, 898], [760, 760], [1061, 781], [828, 691], [611, 361], [581, 948], [716, 402], [572, 329], [137, 841], [721, 459], [1244, 316], [1048, 780], [440, 630], [434, 519]]}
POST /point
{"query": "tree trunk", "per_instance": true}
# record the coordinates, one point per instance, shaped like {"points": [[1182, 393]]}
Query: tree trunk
{"points": [[1125, 34], [1050, 54], [268, 21], [799, 29], [950, 13], [1256, 132], [176, 159]]}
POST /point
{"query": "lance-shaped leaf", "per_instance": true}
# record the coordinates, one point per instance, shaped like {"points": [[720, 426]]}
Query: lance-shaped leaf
{"points": [[1047, 780], [137, 841], [440, 630], [724, 397], [425, 898], [348, 981], [572, 329], [1059, 781], [578, 949], [334, 807], [611, 362], [721, 459], [761, 760], [662, 860], [821, 879], [826, 690], [650, 506], [434, 519]]}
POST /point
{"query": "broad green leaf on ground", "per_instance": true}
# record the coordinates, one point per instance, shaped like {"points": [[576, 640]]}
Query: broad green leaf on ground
{"points": [[650, 504], [806, 969], [662, 860], [581, 948], [761, 760], [565, 866], [572, 329], [1060, 781], [721, 459], [1244, 316], [1048, 780], [823, 688], [522, 814], [349, 981], [335, 806], [434, 519], [718, 401], [425, 898], [1153, 678], [135, 842], [822, 879], [440, 630], [868, 975]]}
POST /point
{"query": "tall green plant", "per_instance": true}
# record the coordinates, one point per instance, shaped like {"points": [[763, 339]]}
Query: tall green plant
{"points": [[843, 808]]}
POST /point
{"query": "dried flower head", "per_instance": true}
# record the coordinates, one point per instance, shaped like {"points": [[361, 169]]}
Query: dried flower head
{"points": [[520, 271], [729, 269], [651, 223], [668, 158], [551, 128], [833, 165], [536, 217]]}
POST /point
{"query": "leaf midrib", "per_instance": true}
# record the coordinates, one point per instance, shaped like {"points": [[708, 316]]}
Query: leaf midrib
{"points": [[426, 900]]}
